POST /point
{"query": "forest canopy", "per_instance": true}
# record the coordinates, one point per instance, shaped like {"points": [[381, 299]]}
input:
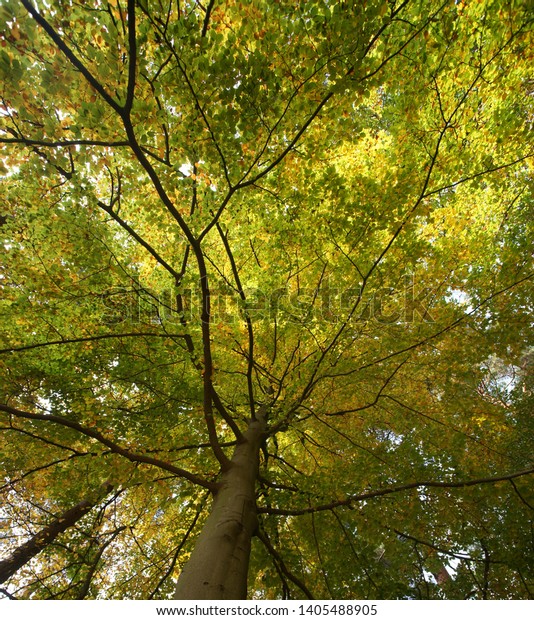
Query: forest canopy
{"points": [[266, 299]]}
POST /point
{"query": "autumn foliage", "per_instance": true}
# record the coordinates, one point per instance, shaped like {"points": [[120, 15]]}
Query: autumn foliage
{"points": [[275, 251]]}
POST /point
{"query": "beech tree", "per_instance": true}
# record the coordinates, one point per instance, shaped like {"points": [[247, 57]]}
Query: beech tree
{"points": [[266, 297]]}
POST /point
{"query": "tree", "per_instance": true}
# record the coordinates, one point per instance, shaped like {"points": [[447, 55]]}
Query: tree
{"points": [[23, 554], [268, 276]]}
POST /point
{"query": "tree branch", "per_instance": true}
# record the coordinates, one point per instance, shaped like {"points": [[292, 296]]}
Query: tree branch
{"points": [[94, 564], [131, 456], [205, 25], [75, 61], [88, 339], [351, 499], [132, 58], [280, 564], [250, 331]]}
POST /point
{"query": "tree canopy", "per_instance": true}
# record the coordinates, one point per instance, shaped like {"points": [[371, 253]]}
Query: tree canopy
{"points": [[291, 239]]}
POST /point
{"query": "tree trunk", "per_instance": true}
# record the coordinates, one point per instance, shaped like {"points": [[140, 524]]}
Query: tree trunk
{"points": [[23, 554], [218, 566]]}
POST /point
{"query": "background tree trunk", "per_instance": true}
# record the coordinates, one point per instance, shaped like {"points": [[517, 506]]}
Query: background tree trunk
{"points": [[23, 554]]}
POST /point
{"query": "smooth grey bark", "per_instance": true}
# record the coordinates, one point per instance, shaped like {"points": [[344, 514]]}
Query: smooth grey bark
{"points": [[218, 566], [23, 554]]}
